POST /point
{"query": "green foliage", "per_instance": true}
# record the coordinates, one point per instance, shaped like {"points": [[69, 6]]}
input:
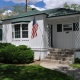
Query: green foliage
{"points": [[16, 10], [66, 6], [15, 54], [12, 72], [77, 60], [20, 9], [77, 65], [72, 6], [22, 47], [2, 45]]}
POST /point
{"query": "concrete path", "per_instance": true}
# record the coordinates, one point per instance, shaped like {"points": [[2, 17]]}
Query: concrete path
{"points": [[65, 68]]}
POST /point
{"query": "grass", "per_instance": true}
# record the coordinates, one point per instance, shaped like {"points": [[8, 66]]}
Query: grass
{"points": [[31, 72], [75, 65]]}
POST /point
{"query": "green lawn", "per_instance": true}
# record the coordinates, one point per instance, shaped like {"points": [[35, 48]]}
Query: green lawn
{"points": [[75, 65], [32, 72]]}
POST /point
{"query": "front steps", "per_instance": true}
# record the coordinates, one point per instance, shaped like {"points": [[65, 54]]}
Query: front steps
{"points": [[62, 56]]}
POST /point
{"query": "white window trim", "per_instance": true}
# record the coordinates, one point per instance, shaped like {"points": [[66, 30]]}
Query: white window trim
{"points": [[18, 39]]}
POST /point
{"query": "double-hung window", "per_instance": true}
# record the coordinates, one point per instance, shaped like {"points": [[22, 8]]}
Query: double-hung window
{"points": [[24, 30], [17, 30], [20, 31]]}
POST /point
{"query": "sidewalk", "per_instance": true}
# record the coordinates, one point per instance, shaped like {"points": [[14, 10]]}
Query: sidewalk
{"points": [[65, 68]]}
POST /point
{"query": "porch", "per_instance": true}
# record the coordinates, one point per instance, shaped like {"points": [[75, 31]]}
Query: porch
{"points": [[63, 38], [64, 32]]}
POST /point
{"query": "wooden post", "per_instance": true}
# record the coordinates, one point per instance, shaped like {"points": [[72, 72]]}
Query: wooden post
{"points": [[26, 5]]}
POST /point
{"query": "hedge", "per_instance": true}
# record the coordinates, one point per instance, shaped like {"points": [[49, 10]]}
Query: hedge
{"points": [[15, 54]]}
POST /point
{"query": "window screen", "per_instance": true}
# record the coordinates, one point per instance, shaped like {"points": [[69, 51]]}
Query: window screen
{"points": [[76, 26]]}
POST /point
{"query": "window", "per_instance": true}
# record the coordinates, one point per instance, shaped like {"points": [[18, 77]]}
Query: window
{"points": [[67, 27], [20, 31], [59, 27], [0, 34], [24, 30], [17, 31]]}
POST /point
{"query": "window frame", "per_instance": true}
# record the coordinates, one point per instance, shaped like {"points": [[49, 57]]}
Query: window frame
{"points": [[13, 31]]}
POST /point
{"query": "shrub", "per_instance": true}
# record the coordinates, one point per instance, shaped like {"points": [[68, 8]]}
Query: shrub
{"points": [[2, 45], [16, 54], [77, 60]]}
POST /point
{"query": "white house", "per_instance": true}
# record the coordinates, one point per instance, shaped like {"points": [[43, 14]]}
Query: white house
{"points": [[57, 28]]}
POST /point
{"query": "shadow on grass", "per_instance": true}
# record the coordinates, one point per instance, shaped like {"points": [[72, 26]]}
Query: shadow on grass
{"points": [[12, 72], [75, 72]]}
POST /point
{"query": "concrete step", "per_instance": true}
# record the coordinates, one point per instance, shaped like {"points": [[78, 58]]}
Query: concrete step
{"points": [[56, 50], [63, 56], [58, 61], [57, 58]]}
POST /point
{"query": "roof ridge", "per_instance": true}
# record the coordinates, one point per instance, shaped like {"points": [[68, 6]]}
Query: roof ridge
{"points": [[61, 8]]}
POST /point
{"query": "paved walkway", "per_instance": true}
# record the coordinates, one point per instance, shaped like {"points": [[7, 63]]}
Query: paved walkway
{"points": [[63, 68]]}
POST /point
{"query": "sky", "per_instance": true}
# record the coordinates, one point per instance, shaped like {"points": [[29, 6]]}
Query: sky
{"points": [[39, 4]]}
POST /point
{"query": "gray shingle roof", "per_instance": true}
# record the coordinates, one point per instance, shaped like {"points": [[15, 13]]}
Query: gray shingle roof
{"points": [[27, 14], [21, 20], [60, 12], [50, 13]]}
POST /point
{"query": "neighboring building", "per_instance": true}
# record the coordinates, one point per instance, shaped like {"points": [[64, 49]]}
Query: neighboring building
{"points": [[57, 28]]}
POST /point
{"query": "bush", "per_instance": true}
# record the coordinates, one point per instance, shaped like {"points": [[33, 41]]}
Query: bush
{"points": [[77, 60], [16, 54], [2, 45]]}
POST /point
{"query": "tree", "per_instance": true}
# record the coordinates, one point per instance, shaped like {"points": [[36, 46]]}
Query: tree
{"points": [[66, 6], [72, 6], [16, 9], [1, 11], [19, 9]]}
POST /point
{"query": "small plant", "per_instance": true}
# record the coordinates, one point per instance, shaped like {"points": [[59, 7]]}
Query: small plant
{"points": [[77, 60]]}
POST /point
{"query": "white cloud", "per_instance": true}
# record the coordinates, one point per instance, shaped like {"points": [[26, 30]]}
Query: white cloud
{"points": [[48, 3], [38, 8], [58, 3], [7, 12], [23, 1]]}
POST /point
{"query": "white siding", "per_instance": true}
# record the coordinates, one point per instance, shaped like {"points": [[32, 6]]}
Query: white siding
{"points": [[36, 43]]}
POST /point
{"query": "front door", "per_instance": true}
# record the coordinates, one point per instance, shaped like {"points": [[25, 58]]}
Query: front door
{"points": [[64, 37]]}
